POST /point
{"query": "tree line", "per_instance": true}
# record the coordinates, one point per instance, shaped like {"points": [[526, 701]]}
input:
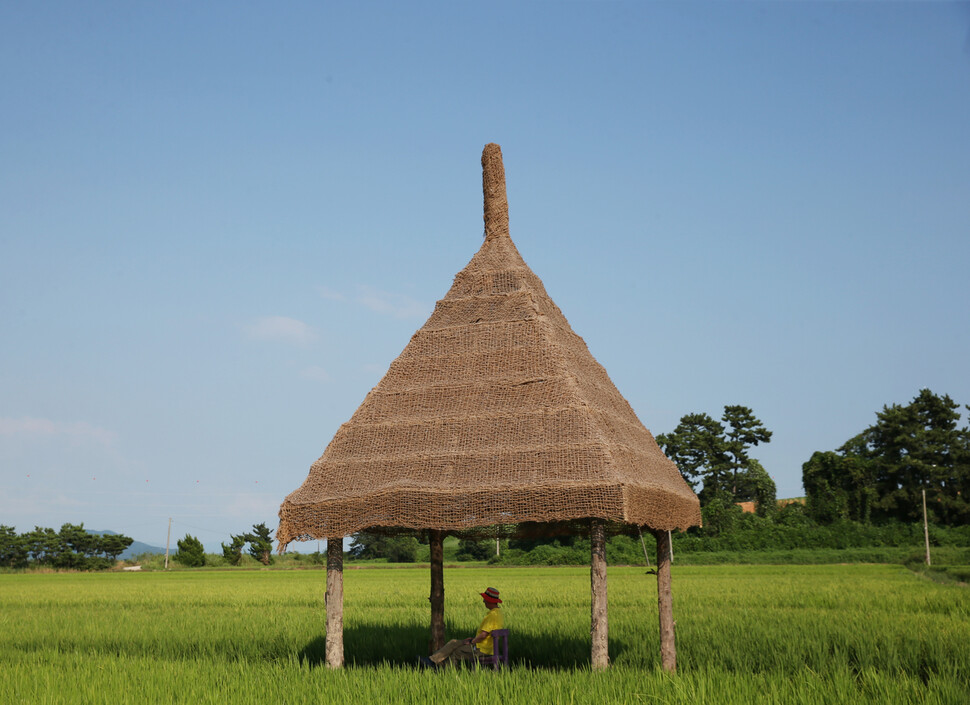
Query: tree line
{"points": [[72, 548], [878, 475], [881, 473], [191, 552]]}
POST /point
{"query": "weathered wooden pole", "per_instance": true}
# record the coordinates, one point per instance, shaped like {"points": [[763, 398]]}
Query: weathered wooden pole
{"points": [[335, 602], [437, 541], [599, 629], [665, 603]]}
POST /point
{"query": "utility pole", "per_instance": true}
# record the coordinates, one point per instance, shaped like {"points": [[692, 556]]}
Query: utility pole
{"points": [[926, 530], [498, 546], [167, 539]]}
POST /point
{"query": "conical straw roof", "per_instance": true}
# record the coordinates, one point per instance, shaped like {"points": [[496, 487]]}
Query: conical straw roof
{"points": [[495, 413]]}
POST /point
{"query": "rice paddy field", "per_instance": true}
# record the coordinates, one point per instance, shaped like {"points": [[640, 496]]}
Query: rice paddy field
{"points": [[746, 634]]}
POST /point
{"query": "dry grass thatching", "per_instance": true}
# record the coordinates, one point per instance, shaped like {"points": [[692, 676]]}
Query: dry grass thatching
{"points": [[495, 413]]}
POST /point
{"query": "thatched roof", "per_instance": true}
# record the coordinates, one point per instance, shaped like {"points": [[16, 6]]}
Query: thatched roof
{"points": [[495, 413]]}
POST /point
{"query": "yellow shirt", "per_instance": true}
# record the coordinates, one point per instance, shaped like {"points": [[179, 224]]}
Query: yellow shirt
{"points": [[493, 620]]}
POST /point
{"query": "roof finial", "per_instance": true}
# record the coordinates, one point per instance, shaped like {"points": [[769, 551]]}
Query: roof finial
{"points": [[493, 187]]}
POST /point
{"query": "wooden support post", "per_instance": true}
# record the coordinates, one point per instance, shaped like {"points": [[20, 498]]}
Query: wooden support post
{"points": [[437, 539], [665, 603], [599, 629], [335, 602]]}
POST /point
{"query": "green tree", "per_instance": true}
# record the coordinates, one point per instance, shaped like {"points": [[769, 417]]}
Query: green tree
{"points": [[191, 552], [471, 550], [261, 544], [720, 516], [918, 447], [756, 485], [959, 482], [113, 545], [13, 548], [826, 496], [71, 548], [716, 453], [839, 486], [698, 447], [886, 468], [396, 549], [401, 549], [233, 551], [744, 430], [43, 545], [77, 547]]}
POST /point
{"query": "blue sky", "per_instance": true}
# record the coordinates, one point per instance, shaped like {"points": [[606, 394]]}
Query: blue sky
{"points": [[220, 222]]}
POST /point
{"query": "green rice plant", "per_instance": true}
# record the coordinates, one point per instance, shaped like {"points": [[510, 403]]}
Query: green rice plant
{"points": [[806, 634]]}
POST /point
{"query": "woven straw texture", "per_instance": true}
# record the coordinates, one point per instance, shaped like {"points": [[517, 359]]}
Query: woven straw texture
{"points": [[495, 413]]}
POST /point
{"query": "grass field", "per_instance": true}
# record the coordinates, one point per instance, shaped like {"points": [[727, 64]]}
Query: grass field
{"points": [[746, 634]]}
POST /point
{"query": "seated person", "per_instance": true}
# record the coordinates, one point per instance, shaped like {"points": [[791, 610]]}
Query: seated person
{"points": [[466, 650]]}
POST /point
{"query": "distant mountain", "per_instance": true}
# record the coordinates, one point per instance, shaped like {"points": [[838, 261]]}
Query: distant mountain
{"points": [[136, 548]]}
